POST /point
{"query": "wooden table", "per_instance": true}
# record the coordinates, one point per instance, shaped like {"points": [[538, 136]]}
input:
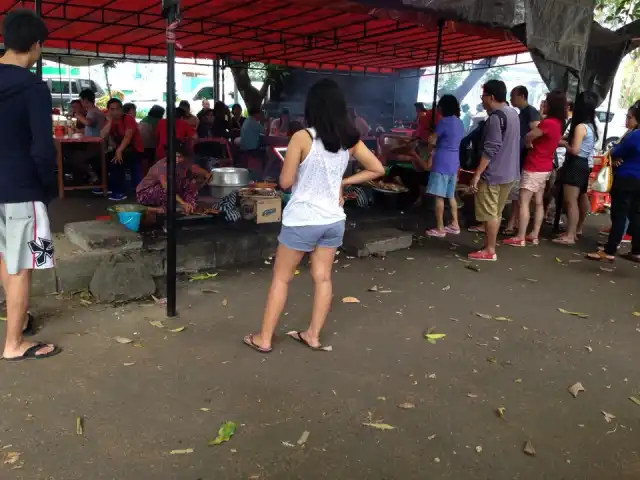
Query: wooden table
{"points": [[59, 141]]}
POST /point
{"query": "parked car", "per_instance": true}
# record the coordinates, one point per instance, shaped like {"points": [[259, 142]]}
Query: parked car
{"points": [[615, 128], [63, 91]]}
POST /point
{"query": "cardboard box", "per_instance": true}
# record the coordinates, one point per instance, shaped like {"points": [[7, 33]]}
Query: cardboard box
{"points": [[261, 209]]}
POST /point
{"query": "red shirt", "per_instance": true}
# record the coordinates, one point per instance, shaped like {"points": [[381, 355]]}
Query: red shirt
{"points": [[540, 157], [425, 127], [184, 134], [120, 127]]}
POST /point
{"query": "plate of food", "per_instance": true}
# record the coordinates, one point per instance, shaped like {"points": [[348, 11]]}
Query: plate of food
{"points": [[387, 187]]}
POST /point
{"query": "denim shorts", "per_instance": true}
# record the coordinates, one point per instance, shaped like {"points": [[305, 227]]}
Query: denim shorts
{"points": [[442, 185], [306, 238]]}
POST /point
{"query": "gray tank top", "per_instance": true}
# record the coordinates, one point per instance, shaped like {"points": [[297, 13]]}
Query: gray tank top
{"points": [[588, 146]]}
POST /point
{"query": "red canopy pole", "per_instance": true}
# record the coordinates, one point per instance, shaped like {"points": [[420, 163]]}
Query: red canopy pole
{"points": [[437, 75], [170, 10], [38, 7], [216, 80]]}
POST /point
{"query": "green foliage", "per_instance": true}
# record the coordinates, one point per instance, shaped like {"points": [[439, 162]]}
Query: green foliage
{"points": [[494, 73], [617, 12], [630, 91]]}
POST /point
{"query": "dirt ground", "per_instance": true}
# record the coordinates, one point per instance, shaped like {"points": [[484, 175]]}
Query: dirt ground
{"points": [[172, 391]]}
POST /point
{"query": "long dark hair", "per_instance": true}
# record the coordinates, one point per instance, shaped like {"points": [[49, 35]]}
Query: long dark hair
{"points": [[584, 111], [449, 106], [326, 111], [557, 105]]}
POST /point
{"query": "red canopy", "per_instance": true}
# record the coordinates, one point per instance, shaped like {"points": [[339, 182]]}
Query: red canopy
{"points": [[327, 34]]}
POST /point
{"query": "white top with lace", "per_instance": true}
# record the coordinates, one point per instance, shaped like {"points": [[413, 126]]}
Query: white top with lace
{"points": [[315, 197]]}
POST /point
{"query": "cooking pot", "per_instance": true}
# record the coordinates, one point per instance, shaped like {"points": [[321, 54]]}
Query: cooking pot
{"points": [[229, 177]]}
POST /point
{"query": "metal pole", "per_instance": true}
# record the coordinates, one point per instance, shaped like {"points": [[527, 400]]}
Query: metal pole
{"points": [[171, 13], [222, 87], [216, 80], [606, 124], [38, 6], [437, 75]]}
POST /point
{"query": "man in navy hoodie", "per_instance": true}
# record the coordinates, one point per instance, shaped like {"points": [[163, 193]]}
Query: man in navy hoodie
{"points": [[27, 181]]}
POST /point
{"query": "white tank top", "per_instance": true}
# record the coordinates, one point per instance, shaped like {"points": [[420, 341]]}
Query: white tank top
{"points": [[315, 195]]}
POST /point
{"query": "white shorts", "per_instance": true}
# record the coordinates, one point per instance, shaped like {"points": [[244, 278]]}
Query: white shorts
{"points": [[25, 237]]}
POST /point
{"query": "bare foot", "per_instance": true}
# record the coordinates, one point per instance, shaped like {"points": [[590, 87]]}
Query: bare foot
{"points": [[15, 352]]}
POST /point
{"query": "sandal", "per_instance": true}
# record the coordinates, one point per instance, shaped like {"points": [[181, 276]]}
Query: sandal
{"points": [[31, 353], [563, 240], [248, 341], [532, 240], [434, 232], [297, 336], [600, 256], [515, 242], [30, 328], [476, 229], [452, 231], [631, 257]]}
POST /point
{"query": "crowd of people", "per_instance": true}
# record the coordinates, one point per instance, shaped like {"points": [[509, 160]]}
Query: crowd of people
{"points": [[517, 157]]}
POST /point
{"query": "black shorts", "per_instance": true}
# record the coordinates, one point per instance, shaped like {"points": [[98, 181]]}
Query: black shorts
{"points": [[575, 172]]}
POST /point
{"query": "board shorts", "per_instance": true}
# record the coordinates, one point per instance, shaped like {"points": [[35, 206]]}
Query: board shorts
{"points": [[307, 238], [490, 200], [534, 181], [442, 185], [25, 237]]}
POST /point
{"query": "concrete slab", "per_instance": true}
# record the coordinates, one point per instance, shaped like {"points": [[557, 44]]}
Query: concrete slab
{"points": [[375, 241], [97, 235], [121, 278]]}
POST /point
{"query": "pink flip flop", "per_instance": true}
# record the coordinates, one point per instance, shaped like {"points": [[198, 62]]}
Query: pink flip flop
{"points": [[563, 240], [451, 230], [434, 232]]}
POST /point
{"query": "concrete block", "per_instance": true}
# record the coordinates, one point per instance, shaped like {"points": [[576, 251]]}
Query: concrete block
{"points": [[121, 278], [378, 241], [75, 272], [95, 235]]}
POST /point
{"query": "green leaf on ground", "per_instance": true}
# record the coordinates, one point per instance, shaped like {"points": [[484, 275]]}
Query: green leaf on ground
{"points": [[575, 314], [202, 276], [177, 330], [501, 411], [635, 314], [379, 426], [635, 400], [225, 432], [503, 319], [432, 337]]}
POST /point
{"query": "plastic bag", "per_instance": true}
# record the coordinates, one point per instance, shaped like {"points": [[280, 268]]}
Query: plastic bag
{"points": [[603, 181]]}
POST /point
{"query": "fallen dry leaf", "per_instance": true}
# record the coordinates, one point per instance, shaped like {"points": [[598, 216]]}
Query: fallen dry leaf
{"points": [[350, 300], [79, 426], [303, 438], [410, 258], [575, 314], [635, 400], [444, 289], [123, 340], [479, 449], [297, 272], [129, 364], [373, 289], [636, 314], [492, 360], [518, 380], [431, 437], [203, 409], [608, 416], [501, 411], [528, 449], [532, 280], [503, 319], [472, 395], [484, 315], [11, 458], [605, 269], [208, 290], [183, 451], [558, 259], [379, 426], [588, 348], [177, 330], [406, 406], [288, 444], [225, 302], [473, 268], [575, 389], [156, 323]]}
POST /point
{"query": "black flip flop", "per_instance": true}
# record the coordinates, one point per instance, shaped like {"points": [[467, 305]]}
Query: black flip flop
{"points": [[297, 336], [248, 341], [31, 353], [30, 329]]}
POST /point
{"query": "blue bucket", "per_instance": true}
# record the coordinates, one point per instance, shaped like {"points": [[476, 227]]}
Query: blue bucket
{"points": [[130, 220]]}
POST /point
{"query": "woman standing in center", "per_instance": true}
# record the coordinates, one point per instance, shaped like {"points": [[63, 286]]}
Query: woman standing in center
{"points": [[541, 143], [313, 221]]}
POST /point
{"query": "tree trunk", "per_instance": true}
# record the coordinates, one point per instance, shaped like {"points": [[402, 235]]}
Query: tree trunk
{"points": [[473, 78], [252, 97]]}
